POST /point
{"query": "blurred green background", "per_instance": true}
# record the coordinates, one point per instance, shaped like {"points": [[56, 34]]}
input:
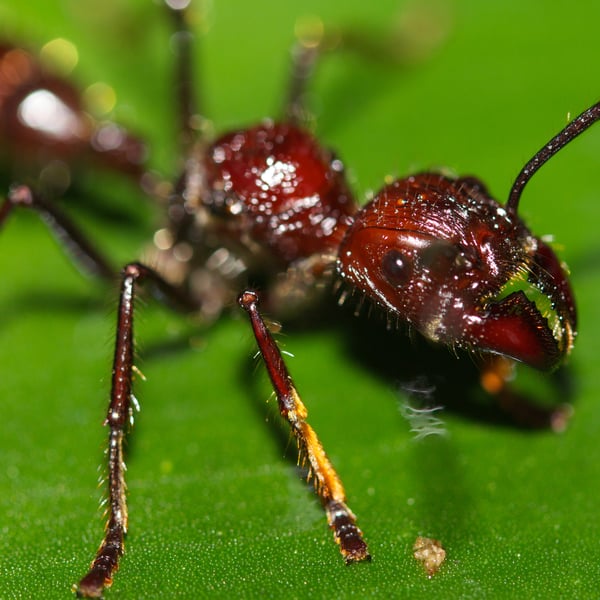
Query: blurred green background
{"points": [[216, 505]]}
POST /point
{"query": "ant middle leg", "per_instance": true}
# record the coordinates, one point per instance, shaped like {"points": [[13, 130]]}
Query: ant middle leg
{"points": [[328, 485]]}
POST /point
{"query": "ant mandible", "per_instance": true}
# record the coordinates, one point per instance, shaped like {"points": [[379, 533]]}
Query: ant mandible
{"points": [[270, 204]]}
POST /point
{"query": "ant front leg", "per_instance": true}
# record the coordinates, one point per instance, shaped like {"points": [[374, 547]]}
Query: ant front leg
{"points": [[328, 485], [496, 374], [118, 418]]}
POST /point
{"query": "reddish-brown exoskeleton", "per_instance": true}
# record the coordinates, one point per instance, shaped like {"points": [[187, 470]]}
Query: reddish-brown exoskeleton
{"points": [[42, 119], [270, 204]]}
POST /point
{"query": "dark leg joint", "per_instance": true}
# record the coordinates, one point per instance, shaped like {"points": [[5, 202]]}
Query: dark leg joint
{"points": [[248, 300], [18, 195], [172, 296]]}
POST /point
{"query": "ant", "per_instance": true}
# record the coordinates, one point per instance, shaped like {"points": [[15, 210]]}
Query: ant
{"points": [[269, 204]]}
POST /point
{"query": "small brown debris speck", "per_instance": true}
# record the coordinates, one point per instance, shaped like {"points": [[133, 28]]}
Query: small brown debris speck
{"points": [[430, 553]]}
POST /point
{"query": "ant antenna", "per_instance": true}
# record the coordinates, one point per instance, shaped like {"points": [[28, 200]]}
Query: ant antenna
{"points": [[569, 133]]}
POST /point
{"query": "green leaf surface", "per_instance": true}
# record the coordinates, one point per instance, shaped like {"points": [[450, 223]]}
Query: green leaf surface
{"points": [[217, 508]]}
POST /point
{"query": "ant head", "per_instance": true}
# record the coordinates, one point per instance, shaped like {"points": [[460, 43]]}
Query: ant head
{"points": [[462, 269]]}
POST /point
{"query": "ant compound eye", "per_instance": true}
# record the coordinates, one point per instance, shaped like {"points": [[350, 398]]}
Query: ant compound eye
{"points": [[396, 267], [442, 257]]}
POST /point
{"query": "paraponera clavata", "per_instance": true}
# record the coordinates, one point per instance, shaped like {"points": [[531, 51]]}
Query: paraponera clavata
{"points": [[362, 511]]}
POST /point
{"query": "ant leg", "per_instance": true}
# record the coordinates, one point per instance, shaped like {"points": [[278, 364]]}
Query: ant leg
{"points": [[187, 107], [79, 248], [82, 252], [328, 485], [304, 57], [414, 34], [496, 373], [118, 418]]}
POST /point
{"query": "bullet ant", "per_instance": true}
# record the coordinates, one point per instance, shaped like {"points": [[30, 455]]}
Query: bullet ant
{"points": [[270, 204]]}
